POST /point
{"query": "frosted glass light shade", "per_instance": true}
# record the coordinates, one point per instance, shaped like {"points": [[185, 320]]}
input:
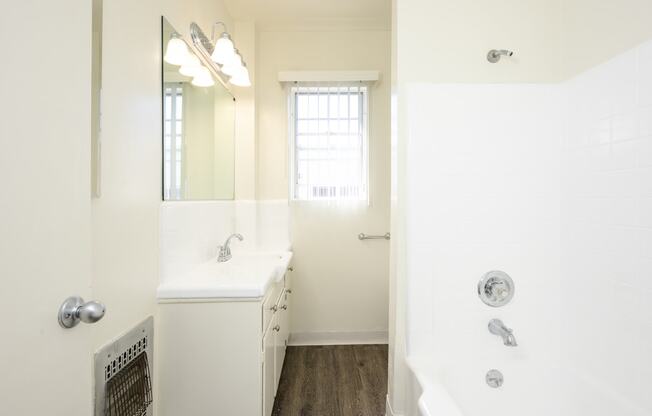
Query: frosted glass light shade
{"points": [[191, 67], [176, 52], [233, 65], [203, 78], [224, 49], [241, 77]]}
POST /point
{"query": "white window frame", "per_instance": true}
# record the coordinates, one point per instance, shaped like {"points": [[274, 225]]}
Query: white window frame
{"points": [[175, 190], [294, 90]]}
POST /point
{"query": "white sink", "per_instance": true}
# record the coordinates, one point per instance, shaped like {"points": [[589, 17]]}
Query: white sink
{"points": [[245, 275]]}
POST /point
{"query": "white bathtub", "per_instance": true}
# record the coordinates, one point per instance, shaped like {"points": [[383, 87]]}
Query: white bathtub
{"points": [[427, 392], [461, 390]]}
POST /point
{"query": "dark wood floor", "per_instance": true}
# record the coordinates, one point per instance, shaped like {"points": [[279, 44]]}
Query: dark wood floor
{"points": [[333, 380]]}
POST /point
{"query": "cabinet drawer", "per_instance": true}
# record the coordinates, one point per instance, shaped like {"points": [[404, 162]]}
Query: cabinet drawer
{"points": [[270, 303]]}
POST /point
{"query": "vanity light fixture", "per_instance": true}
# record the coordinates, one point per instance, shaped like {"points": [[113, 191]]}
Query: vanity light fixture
{"points": [[241, 77], [203, 78], [233, 65], [223, 50], [191, 67], [177, 51]]}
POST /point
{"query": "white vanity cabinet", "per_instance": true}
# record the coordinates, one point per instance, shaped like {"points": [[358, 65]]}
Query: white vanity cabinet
{"points": [[275, 341], [222, 356]]}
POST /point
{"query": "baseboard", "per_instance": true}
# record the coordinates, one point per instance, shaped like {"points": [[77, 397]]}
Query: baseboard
{"points": [[388, 408], [338, 338]]}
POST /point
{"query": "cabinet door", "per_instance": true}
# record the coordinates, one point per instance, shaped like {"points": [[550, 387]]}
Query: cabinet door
{"points": [[285, 317], [281, 336], [269, 377]]}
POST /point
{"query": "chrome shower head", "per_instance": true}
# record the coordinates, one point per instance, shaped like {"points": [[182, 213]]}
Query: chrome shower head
{"points": [[494, 55]]}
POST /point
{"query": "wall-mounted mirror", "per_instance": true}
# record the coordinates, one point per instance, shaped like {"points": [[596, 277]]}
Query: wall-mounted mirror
{"points": [[198, 125]]}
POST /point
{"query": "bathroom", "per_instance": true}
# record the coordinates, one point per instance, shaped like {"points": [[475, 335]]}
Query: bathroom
{"points": [[352, 207]]}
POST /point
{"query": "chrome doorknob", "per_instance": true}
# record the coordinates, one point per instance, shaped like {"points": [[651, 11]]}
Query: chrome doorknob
{"points": [[74, 310]]}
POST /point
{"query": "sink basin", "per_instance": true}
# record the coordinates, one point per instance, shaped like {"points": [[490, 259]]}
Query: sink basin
{"points": [[245, 275]]}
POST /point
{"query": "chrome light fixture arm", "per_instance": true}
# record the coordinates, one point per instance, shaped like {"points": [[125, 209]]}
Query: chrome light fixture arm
{"points": [[214, 30], [200, 40]]}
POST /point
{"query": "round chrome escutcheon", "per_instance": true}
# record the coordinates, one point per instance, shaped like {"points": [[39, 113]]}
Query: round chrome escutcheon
{"points": [[496, 288], [494, 378]]}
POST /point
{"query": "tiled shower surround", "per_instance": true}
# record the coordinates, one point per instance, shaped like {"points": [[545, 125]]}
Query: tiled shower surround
{"points": [[551, 183]]}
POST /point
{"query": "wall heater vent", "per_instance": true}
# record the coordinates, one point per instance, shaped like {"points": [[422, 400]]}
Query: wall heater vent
{"points": [[123, 373]]}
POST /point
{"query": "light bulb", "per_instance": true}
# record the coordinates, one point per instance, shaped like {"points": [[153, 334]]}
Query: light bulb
{"points": [[203, 78], [177, 51], [241, 77], [224, 49], [191, 67], [233, 65]]}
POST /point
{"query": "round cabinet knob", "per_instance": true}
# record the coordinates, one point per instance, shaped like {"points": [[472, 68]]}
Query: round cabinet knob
{"points": [[277, 328], [74, 310], [290, 269], [274, 308], [284, 307]]}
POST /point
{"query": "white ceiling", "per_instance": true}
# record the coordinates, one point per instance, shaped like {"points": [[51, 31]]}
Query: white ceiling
{"points": [[302, 12]]}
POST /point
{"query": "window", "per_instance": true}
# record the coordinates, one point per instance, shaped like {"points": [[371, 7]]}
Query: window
{"points": [[173, 141], [328, 126]]}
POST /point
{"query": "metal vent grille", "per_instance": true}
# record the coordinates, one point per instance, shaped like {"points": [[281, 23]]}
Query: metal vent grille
{"points": [[125, 358], [129, 391], [123, 373]]}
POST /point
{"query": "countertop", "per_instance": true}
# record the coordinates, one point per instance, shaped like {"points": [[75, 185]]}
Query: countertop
{"points": [[245, 275]]}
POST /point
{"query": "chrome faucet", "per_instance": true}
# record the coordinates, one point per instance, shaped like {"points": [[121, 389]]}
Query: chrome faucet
{"points": [[497, 327], [225, 250]]}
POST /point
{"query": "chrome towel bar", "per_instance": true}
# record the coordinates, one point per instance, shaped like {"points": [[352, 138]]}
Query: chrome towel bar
{"points": [[363, 236]]}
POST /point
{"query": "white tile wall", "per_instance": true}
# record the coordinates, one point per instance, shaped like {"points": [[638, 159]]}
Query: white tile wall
{"points": [[191, 231], [552, 184], [606, 235], [483, 194]]}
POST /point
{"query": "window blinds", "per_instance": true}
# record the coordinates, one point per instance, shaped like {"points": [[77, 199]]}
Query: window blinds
{"points": [[328, 124]]}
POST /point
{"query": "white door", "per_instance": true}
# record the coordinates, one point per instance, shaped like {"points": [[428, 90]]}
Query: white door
{"points": [[44, 206]]}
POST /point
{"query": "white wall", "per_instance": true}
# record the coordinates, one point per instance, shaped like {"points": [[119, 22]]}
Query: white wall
{"points": [[596, 31], [447, 41], [126, 217], [340, 284], [246, 126], [607, 237]]}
